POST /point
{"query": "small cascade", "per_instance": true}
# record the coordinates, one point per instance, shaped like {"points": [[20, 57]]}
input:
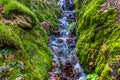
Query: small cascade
{"points": [[65, 65]]}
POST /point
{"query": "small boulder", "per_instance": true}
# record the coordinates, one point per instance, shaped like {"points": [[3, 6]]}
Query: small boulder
{"points": [[46, 25]]}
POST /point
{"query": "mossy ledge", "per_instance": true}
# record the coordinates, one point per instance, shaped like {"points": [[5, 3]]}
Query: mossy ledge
{"points": [[23, 41], [98, 42]]}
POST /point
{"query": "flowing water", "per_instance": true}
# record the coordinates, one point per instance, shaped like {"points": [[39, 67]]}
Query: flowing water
{"points": [[65, 65]]}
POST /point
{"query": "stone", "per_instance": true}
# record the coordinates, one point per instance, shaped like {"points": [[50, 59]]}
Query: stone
{"points": [[54, 65], [46, 25], [57, 33], [60, 40], [72, 32], [22, 21], [72, 46], [69, 40]]}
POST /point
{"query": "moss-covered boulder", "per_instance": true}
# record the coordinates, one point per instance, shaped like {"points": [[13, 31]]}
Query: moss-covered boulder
{"points": [[23, 41], [98, 37]]}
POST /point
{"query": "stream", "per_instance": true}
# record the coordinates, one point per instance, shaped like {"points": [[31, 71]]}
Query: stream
{"points": [[65, 64]]}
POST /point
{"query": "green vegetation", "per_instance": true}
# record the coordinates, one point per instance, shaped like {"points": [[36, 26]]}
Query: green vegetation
{"points": [[71, 26], [23, 41], [92, 76], [98, 39]]}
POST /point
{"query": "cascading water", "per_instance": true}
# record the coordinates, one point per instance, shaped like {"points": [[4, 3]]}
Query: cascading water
{"points": [[65, 65]]}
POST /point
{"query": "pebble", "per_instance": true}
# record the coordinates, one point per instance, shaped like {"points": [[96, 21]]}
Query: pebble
{"points": [[54, 65]]}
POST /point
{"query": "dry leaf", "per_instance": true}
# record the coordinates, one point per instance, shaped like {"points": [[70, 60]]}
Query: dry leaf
{"points": [[11, 56], [11, 69], [21, 64]]}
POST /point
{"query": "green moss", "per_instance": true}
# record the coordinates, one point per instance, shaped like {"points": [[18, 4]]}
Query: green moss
{"points": [[12, 5], [35, 55], [98, 37], [113, 42], [119, 71], [28, 45], [39, 68], [100, 63], [105, 74], [8, 37]]}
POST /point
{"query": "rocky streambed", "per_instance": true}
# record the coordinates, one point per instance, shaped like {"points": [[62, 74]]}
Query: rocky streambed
{"points": [[65, 65]]}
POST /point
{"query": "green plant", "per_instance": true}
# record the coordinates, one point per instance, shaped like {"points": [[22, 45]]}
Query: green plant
{"points": [[91, 76], [71, 26]]}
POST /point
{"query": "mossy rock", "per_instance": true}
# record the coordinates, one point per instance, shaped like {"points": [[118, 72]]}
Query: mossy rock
{"points": [[30, 58], [98, 40]]}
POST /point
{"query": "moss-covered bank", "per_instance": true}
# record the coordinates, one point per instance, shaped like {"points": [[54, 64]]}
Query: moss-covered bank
{"points": [[23, 41], [98, 46]]}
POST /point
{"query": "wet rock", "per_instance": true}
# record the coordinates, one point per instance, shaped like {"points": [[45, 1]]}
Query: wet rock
{"points": [[60, 53], [57, 33], [60, 40], [68, 70], [63, 64], [63, 78], [77, 69], [69, 41], [54, 65], [70, 5], [72, 46], [72, 32], [54, 76], [72, 17], [49, 40], [53, 70]]}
